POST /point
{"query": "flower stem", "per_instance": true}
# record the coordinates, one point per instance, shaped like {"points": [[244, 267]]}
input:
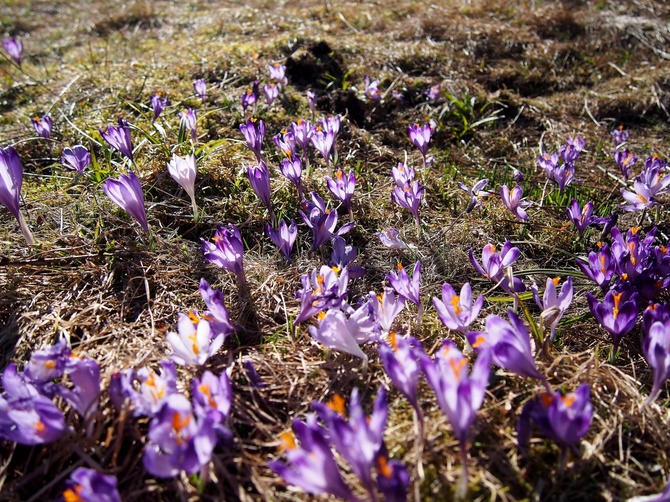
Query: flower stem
{"points": [[26, 230]]}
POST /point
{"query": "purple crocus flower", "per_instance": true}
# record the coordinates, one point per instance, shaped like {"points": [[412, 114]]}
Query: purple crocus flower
{"points": [[14, 47], [385, 307], [159, 102], [401, 357], [43, 126], [250, 96], [457, 311], [620, 135], [371, 90], [390, 239], [200, 88], [494, 264], [342, 187], [339, 332], [88, 485], [126, 192], [212, 397], [553, 306], [656, 348], [459, 395], [11, 179], [600, 268], [321, 221], [582, 218], [292, 170], [194, 343], [323, 141], [342, 257], [118, 137], [285, 143], [26, 416], [312, 466], [271, 92], [402, 174], [563, 175], [216, 314], [311, 102], [625, 159], [188, 121], [84, 374], [655, 312], [563, 418], [409, 196], [548, 163], [259, 178], [320, 291], [392, 480], [509, 344], [654, 177], [476, 193], [303, 132], [641, 198], [420, 137], [178, 441], [76, 158], [254, 132], [433, 92], [284, 237], [154, 388], [404, 286], [47, 364], [360, 439], [226, 250], [569, 152], [513, 202], [278, 74], [617, 313]]}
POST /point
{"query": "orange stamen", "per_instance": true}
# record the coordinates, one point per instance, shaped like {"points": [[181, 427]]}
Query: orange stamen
{"points": [[205, 390], [71, 495], [393, 341], [457, 367], [287, 441], [337, 404], [50, 365], [617, 299], [556, 280], [384, 468], [455, 301], [568, 400], [478, 342], [547, 399]]}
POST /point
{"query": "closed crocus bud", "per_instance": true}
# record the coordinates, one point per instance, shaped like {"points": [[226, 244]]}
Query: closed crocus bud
{"points": [[118, 137], [656, 348], [409, 289], [259, 178], [183, 171], [126, 192], [14, 47], [11, 179], [159, 102], [200, 88], [43, 126], [284, 237], [188, 120]]}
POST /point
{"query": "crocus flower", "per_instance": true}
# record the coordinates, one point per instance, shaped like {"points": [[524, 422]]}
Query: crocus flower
{"points": [[216, 314], [402, 174], [226, 250], [118, 137], [371, 89], [311, 466], [553, 306], [420, 136], [563, 175], [339, 332], [177, 440], [324, 289], [88, 485], [641, 198], [392, 480], [194, 343], [342, 257], [409, 197], [390, 239], [254, 132], [404, 286], [155, 388], [656, 348], [342, 187], [284, 237], [76, 158], [213, 397], [600, 268], [200, 88], [360, 439], [252, 375], [285, 143], [548, 163], [513, 202], [250, 96], [509, 344], [126, 192], [303, 132], [625, 159], [14, 47], [433, 92], [188, 121], [292, 170], [476, 193], [569, 152], [563, 418], [43, 126], [84, 373], [11, 179], [401, 357], [321, 221], [655, 312], [271, 92], [183, 171], [494, 264], [457, 311], [278, 74], [385, 307], [617, 313], [620, 135], [26, 416], [159, 102], [323, 141], [581, 218], [459, 394], [259, 179], [311, 102], [47, 364]]}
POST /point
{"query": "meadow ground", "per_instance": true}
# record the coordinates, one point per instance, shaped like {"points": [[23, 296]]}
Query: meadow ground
{"points": [[517, 77]]}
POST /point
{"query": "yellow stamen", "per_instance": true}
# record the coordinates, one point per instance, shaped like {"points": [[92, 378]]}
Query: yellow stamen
{"points": [[556, 280], [40, 427], [455, 301], [393, 340], [287, 441], [617, 299]]}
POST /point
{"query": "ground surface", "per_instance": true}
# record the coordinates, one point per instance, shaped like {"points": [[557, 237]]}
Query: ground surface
{"points": [[545, 70]]}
